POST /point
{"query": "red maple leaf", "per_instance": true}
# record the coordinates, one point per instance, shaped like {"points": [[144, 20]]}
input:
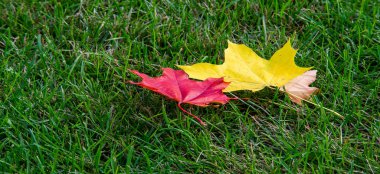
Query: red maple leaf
{"points": [[176, 85]]}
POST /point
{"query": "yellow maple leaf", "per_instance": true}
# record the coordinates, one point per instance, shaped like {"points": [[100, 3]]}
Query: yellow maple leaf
{"points": [[245, 70]]}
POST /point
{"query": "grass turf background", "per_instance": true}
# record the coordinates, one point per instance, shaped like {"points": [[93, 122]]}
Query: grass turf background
{"points": [[65, 106]]}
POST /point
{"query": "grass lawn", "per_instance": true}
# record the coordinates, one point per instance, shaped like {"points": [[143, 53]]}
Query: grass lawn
{"points": [[65, 105]]}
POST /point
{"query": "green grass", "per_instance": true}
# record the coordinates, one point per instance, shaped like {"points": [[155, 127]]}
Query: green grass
{"points": [[65, 105]]}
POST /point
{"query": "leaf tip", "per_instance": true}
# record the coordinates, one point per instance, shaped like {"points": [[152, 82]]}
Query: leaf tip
{"points": [[229, 43], [289, 45]]}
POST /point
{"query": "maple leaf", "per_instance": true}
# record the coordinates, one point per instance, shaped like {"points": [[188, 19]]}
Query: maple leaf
{"points": [[176, 85], [298, 88], [245, 70]]}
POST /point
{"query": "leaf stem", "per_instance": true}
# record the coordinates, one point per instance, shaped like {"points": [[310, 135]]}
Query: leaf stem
{"points": [[315, 104], [194, 116]]}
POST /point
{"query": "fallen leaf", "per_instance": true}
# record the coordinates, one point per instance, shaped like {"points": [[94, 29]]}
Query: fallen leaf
{"points": [[245, 70], [298, 89], [248, 71], [176, 85]]}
